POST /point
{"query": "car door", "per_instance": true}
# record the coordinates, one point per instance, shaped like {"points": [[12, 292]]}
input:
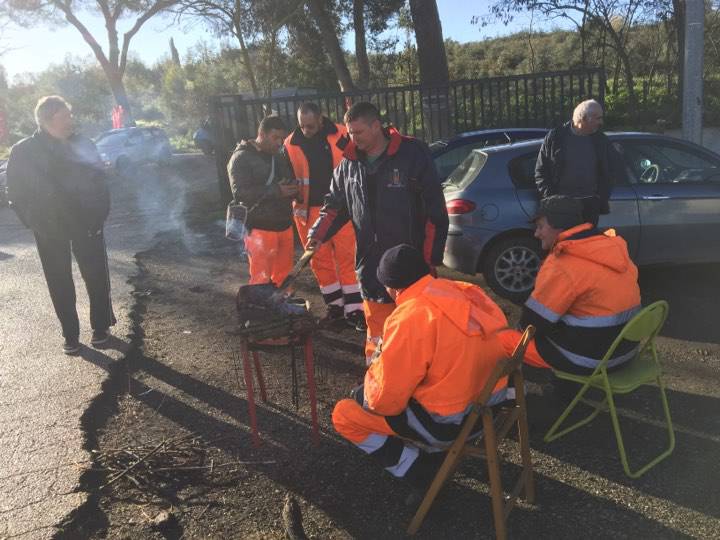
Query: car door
{"points": [[623, 216], [135, 146], [678, 188]]}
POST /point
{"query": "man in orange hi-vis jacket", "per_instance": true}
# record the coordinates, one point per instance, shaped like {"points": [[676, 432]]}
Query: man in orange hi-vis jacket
{"points": [[585, 292], [440, 345], [314, 149]]}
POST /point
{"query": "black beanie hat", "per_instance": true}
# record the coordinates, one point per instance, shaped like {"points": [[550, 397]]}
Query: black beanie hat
{"points": [[401, 266], [562, 212]]}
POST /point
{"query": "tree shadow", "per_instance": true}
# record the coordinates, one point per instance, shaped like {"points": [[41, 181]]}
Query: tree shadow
{"points": [[339, 480], [685, 478]]}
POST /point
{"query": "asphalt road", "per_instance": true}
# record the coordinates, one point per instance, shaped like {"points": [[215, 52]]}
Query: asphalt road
{"points": [[48, 401], [46, 397]]}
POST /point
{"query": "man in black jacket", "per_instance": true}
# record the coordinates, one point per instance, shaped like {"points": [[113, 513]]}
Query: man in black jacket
{"points": [[387, 186], [260, 179], [58, 189], [578, 160]]}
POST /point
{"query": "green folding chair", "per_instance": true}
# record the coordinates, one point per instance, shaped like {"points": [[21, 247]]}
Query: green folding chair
{"points": [[643, 369]]}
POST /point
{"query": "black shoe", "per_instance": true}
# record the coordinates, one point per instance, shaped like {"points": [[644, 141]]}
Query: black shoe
{"points": [[356, 319], [100, 337], [71, 346], [333, 314]]}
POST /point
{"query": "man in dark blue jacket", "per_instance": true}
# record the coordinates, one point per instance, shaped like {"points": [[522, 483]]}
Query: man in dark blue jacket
{"points": [[578, 160], [387, 186], [58, 189]]}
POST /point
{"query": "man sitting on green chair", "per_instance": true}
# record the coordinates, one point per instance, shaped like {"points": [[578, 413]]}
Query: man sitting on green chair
{"points": [[585, 292]]}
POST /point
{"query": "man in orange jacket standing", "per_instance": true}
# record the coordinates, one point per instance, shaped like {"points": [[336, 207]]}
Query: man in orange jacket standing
{"points": [[315, 148], [585, 292], [440, 345]]}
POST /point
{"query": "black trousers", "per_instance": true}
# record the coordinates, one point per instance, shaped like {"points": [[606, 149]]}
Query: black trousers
{"points": [[91, 256]]}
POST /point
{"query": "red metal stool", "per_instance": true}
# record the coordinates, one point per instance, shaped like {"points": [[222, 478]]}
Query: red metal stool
{"points": [[250, 348]]}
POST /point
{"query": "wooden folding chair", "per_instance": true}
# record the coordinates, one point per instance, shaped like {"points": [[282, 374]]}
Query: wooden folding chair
{"points": [[494, 431]]}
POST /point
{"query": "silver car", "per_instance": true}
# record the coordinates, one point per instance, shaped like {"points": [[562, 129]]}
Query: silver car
{"points": [[667, 208], [122, 148]]}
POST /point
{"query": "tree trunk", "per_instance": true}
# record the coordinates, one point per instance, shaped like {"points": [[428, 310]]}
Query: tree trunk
{"points": [[332, 44], [679, 21], [430, 45], [247, 62], [174, 54], [117, 87], [361, 56], [434, 73]]}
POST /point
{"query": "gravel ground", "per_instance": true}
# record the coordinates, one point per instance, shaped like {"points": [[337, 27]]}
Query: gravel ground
{"points": [[173, 455]]}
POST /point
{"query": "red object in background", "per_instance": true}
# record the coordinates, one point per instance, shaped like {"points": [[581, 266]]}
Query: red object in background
{"points": [[3, 126], [118, 115]]}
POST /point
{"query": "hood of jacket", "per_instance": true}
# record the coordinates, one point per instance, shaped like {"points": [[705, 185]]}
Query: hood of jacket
{"points": [[464, 304], [603, 248]]}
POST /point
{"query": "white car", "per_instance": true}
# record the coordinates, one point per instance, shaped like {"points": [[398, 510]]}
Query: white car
{"points": [[124, 147]]}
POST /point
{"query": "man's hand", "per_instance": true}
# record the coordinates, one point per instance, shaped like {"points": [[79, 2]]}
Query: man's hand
{"points": [[289, 190]]}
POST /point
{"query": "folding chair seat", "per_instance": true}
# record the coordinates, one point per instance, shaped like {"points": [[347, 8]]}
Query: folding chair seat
{"points": [[495, 429], [643, 369]]}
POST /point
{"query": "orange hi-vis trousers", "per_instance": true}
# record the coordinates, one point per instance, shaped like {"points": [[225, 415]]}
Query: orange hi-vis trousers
{"points": [[270, 254], [334, 264], [375, 315], [383, 437]]}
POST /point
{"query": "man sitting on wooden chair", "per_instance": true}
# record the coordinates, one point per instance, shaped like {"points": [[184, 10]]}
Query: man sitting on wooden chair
{"points": [[439, 346], [586, 290]]}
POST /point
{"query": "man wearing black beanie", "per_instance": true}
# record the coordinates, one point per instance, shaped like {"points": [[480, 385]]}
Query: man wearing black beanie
{"points": [[439, 346]]}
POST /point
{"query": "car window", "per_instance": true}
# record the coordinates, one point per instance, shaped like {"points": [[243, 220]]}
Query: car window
{"points": [[447, 162], [522, 170], [467, 171], [665, 162], [111, 139]]}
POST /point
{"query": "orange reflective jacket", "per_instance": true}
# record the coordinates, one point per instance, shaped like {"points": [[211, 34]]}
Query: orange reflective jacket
{"points": [[439, 347], [585, 292], [301, 167]]}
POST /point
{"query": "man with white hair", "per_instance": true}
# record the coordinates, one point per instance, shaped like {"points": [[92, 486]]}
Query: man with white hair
{"points": [[577, 160], [57, 187]]}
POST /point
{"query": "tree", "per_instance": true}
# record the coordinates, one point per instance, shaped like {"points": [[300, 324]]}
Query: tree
{"points": [[328, 32], [430, 44], [113, 63], [372, 15], [254, 24], [615, 19]]}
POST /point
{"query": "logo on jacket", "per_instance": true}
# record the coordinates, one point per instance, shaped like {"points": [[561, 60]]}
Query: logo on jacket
{"points": [[396, 180]]}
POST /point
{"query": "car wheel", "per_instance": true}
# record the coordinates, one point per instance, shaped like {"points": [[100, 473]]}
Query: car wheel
{"points": [[511, 265]]}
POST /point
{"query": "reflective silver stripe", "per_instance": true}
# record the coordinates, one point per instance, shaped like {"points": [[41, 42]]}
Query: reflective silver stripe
{"points": [[601, 321], [327, 289], [303, 181], [300, 212], [592, 363], [372, 442], [407, 458], [542, 310], [457, 418], [352, 288]]}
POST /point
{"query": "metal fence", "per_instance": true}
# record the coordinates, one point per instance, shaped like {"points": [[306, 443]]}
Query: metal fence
{"points": [[429, 113]]}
